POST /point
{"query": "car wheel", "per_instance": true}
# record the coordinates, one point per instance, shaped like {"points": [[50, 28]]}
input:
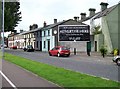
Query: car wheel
{"points": [[68, 55], [118, 62], [58, 54], [50, 54]]}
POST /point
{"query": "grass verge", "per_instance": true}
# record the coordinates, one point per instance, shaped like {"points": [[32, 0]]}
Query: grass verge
{"points": [[60, 76]]}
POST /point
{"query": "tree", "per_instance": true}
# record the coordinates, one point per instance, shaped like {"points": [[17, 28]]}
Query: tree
{"points": [[12, 15], [97, 30], [34, 26]]}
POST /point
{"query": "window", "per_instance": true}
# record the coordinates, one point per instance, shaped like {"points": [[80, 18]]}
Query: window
{"points": [[37, 34], [37, 44], [40, 33], [44, 33], [48, 32], [44, 44]]}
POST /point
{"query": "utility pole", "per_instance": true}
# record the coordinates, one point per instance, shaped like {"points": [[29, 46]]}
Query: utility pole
{"points": [[2, 29]]}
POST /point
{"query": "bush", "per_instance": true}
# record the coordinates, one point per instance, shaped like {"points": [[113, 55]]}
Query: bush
{"points": [[103, 51]]}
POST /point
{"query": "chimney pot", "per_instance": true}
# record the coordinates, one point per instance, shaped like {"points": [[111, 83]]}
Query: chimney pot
{"points": [[83, 16], [55, 21], [76, 18], [92, 11], [103, 5], [44, 24]]}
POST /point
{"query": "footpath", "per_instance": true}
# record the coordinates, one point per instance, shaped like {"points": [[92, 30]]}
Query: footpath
{"points": [[93, 56], [24, 79]]}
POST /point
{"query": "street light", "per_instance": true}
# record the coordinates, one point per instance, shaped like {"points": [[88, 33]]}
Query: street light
{"points": [[2, 29]]}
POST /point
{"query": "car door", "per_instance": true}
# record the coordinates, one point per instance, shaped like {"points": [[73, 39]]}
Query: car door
{"points": [[52, 51], [56, 50]]}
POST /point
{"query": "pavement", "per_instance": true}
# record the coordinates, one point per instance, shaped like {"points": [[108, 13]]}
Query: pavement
{"points": [[23, 78]]}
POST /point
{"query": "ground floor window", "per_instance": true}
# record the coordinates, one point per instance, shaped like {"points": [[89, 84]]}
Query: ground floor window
{"points": [[44, 44], [37, 44]]}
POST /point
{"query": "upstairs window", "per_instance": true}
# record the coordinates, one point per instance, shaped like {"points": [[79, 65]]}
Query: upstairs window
{"points": [[48, 32], [44, 33]]}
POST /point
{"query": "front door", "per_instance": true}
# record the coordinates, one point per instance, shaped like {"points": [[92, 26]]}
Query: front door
{"points": [[40, 45], [95, 46], [48, 45]]}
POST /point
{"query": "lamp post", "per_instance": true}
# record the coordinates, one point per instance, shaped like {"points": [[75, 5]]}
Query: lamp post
{"points": [[74, 48], [2, 29]]}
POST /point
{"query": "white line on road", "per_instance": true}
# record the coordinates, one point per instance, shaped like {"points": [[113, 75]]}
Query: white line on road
{"points": [[8, 80]]}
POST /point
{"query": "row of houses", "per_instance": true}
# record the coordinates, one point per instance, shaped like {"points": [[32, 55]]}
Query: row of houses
{"points": [[46, 37]]}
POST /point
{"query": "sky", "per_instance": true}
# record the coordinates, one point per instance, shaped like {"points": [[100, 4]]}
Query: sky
{"points": [[38, 11]]}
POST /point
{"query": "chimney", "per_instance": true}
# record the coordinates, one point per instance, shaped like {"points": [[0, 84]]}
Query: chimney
{"points": [[44, 24], [83, 16], [92, 11], [21, 31], [103, 6], [76, 18], [55, 21]]}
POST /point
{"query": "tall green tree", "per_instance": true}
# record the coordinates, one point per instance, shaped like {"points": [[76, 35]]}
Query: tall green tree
{"points": [[12, 15]]}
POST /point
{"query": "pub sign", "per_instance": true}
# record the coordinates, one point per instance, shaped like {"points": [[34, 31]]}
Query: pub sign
{"points": [[74, 33]]}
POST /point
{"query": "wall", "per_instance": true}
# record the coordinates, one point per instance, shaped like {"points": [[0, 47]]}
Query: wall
{"points": [[112, 20], [80, 46], [46, 38]]}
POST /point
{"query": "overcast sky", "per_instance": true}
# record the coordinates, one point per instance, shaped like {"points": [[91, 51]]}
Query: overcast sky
{"points": [[38, 11]]}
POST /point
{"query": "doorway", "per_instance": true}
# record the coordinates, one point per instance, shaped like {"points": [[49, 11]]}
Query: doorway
{"points": [[48, 45], [95, 46], [40, 45]]}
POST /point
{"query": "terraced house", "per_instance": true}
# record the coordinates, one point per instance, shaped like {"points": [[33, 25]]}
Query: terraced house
{"points": [[50, 36], [47, 37], [109, 21]]}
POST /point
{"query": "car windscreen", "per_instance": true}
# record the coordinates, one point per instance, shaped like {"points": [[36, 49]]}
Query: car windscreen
{"points": [[29, 46], [65, 48]]}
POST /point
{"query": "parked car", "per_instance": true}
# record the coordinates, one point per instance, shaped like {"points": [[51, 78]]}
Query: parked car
{"points": [[116, 59], [1, 45], [59, 51], [13, 47], [29, 48]]}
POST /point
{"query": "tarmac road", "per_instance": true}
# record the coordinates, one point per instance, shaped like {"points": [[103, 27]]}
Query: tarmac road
{"points": [[93, 65]]}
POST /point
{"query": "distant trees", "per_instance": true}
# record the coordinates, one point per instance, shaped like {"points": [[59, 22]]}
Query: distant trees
{"points": [[34, 26]]}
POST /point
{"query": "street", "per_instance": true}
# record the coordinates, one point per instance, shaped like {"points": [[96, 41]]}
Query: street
{"points": [[93, 65]]}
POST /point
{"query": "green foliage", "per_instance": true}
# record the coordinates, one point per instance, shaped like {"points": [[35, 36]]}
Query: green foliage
{"points": [[103, 50], [60, 76], [12, 15], [97, 30], [34, 26]]}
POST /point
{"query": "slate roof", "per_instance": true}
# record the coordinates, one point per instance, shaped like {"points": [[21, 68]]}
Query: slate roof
{"points": [[59, 23], [101, 13], [105, 12]]}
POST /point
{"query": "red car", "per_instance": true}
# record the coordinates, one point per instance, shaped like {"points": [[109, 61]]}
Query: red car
{"points": [[13, 47], [59, 51]]}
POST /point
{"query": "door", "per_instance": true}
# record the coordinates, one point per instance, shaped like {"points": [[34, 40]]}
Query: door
{"points": [[89, 46], [48, 45], [95, 46], [40, 45]]}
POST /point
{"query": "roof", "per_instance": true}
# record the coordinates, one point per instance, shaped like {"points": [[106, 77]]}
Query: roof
{"points": [[30, 31], [105, 12], [100, 14], [59, 23], [49, 26]]}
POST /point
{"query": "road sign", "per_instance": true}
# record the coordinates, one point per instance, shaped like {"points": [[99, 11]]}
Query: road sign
{"points": [[74, 33]]}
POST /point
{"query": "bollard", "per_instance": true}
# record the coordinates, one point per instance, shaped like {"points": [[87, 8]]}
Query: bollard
{"points": [[74, 51]]}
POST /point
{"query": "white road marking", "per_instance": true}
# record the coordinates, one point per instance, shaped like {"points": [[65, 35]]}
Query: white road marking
{"points": [[8, 80]]}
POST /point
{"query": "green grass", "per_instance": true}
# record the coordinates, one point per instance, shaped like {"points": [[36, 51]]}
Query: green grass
{"points": [[60, 76]]}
